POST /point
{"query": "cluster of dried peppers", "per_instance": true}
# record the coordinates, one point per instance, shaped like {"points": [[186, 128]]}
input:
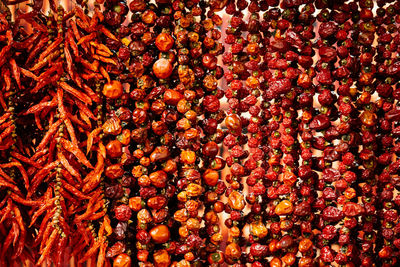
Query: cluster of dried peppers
{"points": [[158, 134]]}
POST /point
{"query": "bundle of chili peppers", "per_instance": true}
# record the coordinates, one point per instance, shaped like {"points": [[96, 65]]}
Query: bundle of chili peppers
{"points": [[200, 133]]}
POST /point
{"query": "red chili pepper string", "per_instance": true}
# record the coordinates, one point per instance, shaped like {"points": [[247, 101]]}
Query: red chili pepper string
{"points": [[12, 172], [386, 31], [236, 136], [330, 209]]}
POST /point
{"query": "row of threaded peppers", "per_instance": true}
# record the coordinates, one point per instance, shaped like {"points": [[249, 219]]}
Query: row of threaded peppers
{"points": [[200, 133]]}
